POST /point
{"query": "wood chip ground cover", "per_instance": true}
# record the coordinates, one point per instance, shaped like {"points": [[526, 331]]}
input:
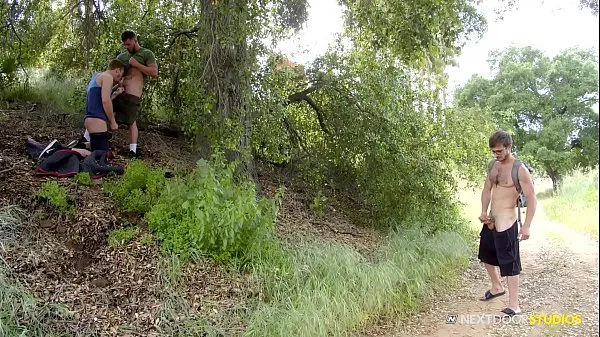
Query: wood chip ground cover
{"points": [[66, 259]]}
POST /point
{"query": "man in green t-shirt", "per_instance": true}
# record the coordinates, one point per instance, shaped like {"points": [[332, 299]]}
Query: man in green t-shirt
{"points": [[139, 62]]}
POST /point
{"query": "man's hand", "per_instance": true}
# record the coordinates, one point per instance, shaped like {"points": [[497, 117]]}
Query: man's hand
{"points": [[485, 219], [116, 93], [524, 233], [133, 62], [113, 125]]}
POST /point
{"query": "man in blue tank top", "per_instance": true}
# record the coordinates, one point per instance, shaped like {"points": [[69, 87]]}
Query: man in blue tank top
{"points": [[99, 115]]}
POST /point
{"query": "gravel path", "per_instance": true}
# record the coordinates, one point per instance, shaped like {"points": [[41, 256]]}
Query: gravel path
{"points": [[560, 276]]}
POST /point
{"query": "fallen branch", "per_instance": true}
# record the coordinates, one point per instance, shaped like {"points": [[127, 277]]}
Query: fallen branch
{"points": [[8, 169], [303, 96], [328, 225]]}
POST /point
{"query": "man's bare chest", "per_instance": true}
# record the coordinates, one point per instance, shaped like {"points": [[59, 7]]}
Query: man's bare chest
{"points": [[501, 176]]}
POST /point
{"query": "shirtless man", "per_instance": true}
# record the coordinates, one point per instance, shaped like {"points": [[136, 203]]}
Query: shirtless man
{"points": [[139, 62], [500, 233]]}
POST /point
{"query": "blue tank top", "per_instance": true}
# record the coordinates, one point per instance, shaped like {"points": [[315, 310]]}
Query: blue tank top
{"points": [[93, 104]]}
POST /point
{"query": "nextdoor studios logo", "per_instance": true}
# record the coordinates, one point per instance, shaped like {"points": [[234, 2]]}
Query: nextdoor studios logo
{"points": [[531, 319]]}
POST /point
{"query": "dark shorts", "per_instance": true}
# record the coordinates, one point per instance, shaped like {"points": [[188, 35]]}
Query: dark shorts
{"points": [[126, 108], [501, 249]]}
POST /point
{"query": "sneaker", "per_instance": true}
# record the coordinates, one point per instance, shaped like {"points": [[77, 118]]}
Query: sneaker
{"points": [[49, 148], [72, 144], [136, 154]]}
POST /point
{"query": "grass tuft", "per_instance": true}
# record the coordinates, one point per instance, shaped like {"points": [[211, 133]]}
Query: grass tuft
{"points": [[328, 290], [576, 203]]}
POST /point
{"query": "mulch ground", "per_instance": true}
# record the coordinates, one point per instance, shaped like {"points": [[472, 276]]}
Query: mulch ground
{"points": [[110, 291]]}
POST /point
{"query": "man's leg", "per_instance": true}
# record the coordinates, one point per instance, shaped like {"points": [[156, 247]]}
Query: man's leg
{"points": [[133, 137], [510, 265], [495, 278], [487, 255], [513, 293]]}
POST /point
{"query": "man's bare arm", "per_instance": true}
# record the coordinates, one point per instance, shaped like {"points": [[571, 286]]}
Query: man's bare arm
{"points": [[486, 195], [529, 191], [106, 100]]}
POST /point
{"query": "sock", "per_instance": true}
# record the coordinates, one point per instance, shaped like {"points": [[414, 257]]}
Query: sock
{"points": [[133, 147], [86, 135]]}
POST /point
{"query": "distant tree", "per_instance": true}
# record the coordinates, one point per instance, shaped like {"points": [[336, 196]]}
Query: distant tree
{"points": [[546, 103], [592, 5]]}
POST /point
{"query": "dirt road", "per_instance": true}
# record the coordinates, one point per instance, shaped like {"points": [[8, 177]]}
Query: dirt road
{"points": [[560, 276]]}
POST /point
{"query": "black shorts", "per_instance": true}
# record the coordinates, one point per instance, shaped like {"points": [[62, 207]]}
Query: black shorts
{"points": [[126, 108], [501, 249]]}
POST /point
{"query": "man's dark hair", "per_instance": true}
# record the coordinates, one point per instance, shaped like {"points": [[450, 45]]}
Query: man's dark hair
{"points": [[126, 35], [500, 138]]}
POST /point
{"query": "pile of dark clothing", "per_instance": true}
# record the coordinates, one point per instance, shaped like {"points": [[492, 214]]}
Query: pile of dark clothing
{"points": [[55, 159]]}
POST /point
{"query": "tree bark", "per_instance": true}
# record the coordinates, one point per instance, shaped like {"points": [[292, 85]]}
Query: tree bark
{"points": [[555, 177], [225, 76]]}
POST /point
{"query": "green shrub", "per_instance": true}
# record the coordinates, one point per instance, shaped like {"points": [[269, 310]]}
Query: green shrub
{"points": [[83, 178], [318, 203], [138, 189], [56, 196], [207, 212]]}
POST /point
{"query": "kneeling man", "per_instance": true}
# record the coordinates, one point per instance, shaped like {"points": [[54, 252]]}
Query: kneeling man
{"points": [[99, 115]]}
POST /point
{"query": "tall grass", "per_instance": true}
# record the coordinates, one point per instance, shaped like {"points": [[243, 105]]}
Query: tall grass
{"points": [[66, 94], [328, 290], [576, 202]]}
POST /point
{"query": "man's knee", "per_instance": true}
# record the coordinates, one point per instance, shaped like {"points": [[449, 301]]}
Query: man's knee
{"points": [[510, 269]]}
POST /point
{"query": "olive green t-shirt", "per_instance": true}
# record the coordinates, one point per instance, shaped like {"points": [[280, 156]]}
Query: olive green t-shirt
{"points": [[142, 55]]}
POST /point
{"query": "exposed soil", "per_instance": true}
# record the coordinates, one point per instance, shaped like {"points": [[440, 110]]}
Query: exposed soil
{"points": [[118, 291]]}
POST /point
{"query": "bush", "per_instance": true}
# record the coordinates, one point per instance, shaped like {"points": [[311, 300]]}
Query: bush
{"points": [[138, 189], [56, 196], [207, 212], [83, 178]]}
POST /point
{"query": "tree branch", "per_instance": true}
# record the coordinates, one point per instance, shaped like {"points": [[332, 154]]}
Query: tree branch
{"points": [[19, 57], [99, 13], [70, 11], [189, 33], [328, 225], [294, 134], [303, 96]]}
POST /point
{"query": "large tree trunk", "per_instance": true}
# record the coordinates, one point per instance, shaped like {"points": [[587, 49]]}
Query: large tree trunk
{"points": [[225, 75]]}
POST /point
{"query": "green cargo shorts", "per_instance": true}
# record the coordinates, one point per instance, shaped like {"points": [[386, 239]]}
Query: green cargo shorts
{"points": [[126, 108]]}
